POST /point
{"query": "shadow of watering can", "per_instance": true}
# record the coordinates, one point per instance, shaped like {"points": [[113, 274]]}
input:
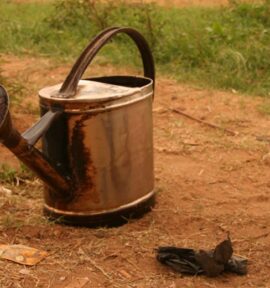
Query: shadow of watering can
{"points": [[97, 141]]}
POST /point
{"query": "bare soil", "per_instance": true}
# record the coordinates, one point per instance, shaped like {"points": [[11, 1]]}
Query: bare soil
{"points": [[207, 183]]}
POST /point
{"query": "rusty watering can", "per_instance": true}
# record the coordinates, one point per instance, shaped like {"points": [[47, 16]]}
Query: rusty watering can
{"points": [[97, 141]]}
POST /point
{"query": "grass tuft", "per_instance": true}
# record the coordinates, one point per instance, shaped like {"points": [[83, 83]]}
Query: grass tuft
{"points": [[10, 175]]}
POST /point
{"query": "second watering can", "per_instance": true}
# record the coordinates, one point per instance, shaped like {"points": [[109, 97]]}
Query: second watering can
{"points": [[97, 141]]}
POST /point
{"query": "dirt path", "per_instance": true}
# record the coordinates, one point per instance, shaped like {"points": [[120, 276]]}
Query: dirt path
{"points": [[208, 183]]}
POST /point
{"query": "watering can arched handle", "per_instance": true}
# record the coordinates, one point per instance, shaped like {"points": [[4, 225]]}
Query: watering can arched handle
{"points": [[70, 84]]}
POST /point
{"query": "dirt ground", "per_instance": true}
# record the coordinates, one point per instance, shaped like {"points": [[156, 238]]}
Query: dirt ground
{"points": [[207, 182]]}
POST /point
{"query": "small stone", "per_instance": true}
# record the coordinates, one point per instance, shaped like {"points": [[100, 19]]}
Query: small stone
{"points": [[62, 278]]}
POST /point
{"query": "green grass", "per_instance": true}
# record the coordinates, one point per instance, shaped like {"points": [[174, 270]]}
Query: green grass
{"points": [[10, 175], [226, 48], [19, 26]]}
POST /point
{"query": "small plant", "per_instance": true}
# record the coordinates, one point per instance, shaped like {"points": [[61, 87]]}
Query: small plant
{"points": [[7, 174], [11, 175]]}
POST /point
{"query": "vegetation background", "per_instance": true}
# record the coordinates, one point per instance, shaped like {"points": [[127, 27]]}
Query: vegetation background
{"points": [[217, 47]]}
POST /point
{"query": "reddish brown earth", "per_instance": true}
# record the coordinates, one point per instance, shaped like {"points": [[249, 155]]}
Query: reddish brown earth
{"points": [[207, 182]]}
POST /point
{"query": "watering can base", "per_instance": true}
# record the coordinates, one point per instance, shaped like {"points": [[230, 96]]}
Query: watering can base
{"points": [[110, 218]]}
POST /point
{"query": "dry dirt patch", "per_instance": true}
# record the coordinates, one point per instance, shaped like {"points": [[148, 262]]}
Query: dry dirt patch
{"points": [[208, 183]]}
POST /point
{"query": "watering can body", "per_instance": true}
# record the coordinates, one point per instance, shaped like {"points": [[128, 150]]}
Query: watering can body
{"points": [[97, 136], [106, 147]]}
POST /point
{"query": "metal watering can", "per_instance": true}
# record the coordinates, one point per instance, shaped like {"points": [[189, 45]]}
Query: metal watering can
{"points": [[97, 141]]}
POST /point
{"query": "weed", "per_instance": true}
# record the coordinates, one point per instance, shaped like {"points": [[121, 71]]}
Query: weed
{"points": [[7, 174], [11, 175]]}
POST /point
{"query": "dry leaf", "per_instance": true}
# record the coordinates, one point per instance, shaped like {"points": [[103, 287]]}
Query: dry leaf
{"points": [[22, 254]]}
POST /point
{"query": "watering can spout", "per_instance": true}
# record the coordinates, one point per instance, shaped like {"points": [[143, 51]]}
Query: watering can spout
{"points": [[22, 145]]}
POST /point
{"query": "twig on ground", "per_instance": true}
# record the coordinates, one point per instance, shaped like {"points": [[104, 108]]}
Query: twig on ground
{"points": [[100, 269], [261, 236], [253, 238], [228, 131]]}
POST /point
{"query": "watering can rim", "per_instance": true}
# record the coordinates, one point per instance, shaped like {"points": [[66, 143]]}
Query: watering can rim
{"points": [[92, 91]]}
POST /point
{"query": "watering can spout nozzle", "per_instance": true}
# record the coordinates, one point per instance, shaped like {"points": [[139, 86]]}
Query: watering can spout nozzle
{"points": [[23, 147]]}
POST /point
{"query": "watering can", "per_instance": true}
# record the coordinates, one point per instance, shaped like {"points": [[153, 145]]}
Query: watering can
{"points": [[97, 141]]}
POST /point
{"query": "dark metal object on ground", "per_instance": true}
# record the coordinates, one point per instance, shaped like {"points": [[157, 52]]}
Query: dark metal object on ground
{"points": [[212, 263], [97, 159]]}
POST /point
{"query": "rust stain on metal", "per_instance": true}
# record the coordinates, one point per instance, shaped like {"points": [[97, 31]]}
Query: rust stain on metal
{"points": [[83, 170]]}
